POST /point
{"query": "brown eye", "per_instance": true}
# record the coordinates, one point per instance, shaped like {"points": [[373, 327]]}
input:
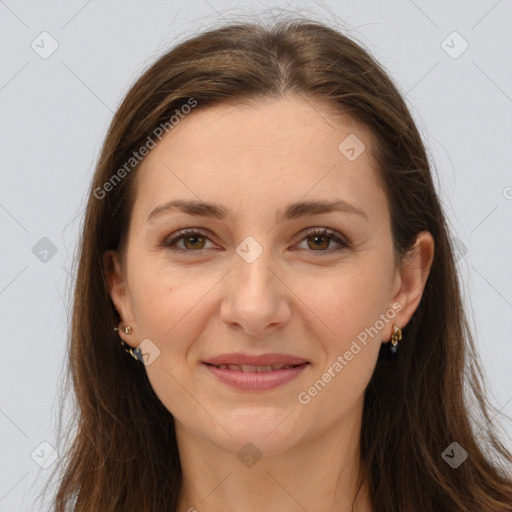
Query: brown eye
{"points": [[196, 242], [318, 241], [193, 241]]}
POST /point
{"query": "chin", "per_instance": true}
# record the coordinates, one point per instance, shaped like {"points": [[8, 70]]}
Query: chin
{"points": [[268, 433]]}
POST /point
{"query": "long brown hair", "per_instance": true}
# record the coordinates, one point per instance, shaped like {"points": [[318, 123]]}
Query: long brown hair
{"points": [[123, 454]]}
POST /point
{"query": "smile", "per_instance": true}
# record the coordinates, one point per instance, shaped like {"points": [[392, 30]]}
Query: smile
{"points": [[251, 368], [256, 378]]}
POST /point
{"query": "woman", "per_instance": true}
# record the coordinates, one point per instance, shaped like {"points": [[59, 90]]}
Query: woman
{"points": [[267, 312]]}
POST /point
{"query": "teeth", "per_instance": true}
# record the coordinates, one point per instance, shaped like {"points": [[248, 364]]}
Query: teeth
{"points": [[252, 368]]}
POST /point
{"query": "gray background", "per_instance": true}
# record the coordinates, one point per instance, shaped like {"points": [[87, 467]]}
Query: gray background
{"points": [[55, 112]]}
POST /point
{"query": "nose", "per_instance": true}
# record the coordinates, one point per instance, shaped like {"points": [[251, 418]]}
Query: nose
{"points": [[256, 299]]}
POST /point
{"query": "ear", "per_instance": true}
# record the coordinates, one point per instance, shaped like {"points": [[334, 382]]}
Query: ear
{"points": [[410, 281], [119, 293]]}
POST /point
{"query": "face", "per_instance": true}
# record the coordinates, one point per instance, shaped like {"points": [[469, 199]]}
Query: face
{"points": [[266, 277]]}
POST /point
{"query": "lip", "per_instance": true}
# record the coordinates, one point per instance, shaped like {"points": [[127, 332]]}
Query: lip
{"points": [[255, 360], [256, 381]]}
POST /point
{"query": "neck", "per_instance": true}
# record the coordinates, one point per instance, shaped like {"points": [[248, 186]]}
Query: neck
{"points": [[320, 474]]}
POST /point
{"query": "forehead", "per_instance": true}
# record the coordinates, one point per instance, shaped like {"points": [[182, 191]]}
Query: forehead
{"points": [[258, 154]]}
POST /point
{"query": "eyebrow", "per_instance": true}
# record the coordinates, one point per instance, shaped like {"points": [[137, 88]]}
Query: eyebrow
{"points": [[292, 211]]}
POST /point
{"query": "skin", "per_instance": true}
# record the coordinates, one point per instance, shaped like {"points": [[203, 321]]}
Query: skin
{"points": [[255, 159]]}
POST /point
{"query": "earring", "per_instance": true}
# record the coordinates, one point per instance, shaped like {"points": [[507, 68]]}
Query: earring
{"points": [[127, 330], [136, 353], [395, 338]]}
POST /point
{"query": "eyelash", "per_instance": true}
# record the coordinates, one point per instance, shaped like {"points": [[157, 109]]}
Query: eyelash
{"points": [[333, 235]]}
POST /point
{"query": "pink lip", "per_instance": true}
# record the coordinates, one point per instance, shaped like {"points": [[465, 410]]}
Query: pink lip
{"points": [[261, 360], [256, 381]]}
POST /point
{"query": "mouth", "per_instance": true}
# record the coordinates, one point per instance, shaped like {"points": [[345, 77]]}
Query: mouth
{"points": [[246, 377], [249, 368]]}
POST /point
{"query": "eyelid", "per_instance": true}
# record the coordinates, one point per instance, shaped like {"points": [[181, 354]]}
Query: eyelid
{"points": [[335, 236]]}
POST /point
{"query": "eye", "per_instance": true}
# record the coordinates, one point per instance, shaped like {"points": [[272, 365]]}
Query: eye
{"points": [[193, 240], [317, 239]]}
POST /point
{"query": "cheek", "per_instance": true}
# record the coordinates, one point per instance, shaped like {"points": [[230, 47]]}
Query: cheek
{"points": [[338, 390], [351, 308], [347, 299], [172, 307], [352, 311]]}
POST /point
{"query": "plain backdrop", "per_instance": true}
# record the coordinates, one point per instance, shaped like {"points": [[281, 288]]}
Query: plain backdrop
{"points": [[451, 60]]}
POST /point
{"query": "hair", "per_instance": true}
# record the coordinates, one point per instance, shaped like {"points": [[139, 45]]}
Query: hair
{"points": [[123, 454]]}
